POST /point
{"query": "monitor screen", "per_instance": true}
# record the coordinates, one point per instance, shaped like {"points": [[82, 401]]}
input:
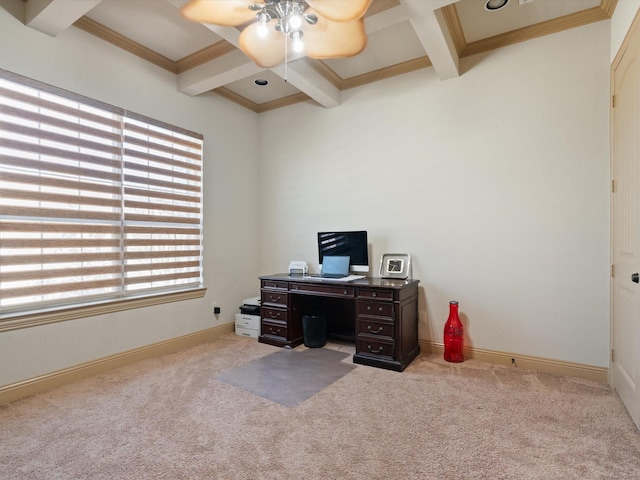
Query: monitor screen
{"points": [[353, 244]]}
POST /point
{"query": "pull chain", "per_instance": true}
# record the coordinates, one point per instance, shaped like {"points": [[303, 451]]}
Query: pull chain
{"points": [[286, 58]]}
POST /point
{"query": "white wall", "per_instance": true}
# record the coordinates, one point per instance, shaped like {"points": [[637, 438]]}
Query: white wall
{"points": [[621, 20], [84, 64], [496, 182]]}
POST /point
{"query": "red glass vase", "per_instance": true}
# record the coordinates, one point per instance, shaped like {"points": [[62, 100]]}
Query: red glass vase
{"points": [[453, 336]]}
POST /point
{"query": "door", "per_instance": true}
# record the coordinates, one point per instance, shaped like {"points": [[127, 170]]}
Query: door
{"points": [[626, 226]]}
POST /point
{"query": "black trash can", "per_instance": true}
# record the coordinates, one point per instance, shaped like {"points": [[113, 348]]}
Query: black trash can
{"points": [[314, 330]]}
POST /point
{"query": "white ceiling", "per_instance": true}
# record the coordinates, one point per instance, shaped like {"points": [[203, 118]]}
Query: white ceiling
{"points": [[403, 35]]}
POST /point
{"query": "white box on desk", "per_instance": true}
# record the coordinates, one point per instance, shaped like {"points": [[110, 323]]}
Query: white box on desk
{"points": [[247, 325]]}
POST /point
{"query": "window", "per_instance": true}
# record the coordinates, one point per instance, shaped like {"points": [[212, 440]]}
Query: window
{"points": [[96, 203]]}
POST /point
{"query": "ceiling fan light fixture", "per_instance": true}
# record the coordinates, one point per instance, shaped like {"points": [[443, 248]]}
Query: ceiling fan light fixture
{"points": [[263, 30], [493, 5], [310, 19], [263, 19], [337, 26], [295, 22]]}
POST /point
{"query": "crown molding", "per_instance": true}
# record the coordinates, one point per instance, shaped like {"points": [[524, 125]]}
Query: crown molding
{"points": [[387, 72], [114, 38], [205, 55], [549, 27]]}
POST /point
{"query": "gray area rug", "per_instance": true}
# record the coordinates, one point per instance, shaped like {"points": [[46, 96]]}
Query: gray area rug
{"points": [[289, 377]]}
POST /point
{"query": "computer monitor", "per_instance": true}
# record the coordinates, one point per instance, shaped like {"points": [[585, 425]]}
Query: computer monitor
{"points": [[351, 243]]}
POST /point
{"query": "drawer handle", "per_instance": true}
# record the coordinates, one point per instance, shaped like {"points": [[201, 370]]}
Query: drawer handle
{"points": [[345, 292], [376, 332], [380, 309], [274, 314], [374, 351], [274, 299], [274, 331], [374, 294]]}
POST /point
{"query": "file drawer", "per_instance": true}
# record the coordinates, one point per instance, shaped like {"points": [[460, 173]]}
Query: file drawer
{"points": [[378, 309], [278, 299]]}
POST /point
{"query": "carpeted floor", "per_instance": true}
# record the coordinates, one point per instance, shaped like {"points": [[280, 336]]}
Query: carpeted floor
{"points": [[170, 418]]}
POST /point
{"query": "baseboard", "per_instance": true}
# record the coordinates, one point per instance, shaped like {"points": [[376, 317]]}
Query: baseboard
{"points": [[557, 367], [25, 388]]}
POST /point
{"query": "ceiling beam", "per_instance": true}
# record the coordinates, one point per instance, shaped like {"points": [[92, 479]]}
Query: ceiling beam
{"points": [[298, 72], [237, 66], [219, 71], [55, 16], [305, 78], [430, 25], [385, 19], [302, 75], [216, 73]]}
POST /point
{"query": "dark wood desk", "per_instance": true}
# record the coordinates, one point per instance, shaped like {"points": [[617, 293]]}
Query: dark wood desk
{"points": [[380, 316]]}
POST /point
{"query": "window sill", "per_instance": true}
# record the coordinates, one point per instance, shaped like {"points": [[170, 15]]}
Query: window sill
{"points": [[32, 319]]}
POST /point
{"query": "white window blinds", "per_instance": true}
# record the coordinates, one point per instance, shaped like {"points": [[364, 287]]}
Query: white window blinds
{"points": [[95, 202]]}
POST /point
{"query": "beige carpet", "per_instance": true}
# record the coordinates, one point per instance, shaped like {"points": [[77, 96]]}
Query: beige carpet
{"points": [[169, 418]]}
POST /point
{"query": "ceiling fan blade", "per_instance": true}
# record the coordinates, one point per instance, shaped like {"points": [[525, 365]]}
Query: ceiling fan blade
{"points": [[229, 13], [329, 39], [266, 52], [340, 10]]}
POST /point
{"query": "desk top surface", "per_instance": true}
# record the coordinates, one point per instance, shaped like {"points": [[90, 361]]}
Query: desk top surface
{"points": [[362, 282]]}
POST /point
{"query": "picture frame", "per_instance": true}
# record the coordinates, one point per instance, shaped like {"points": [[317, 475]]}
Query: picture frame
{"points": [[395, 265]]}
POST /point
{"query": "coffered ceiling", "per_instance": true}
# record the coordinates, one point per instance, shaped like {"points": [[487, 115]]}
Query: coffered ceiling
{"points": [[403, 36]]}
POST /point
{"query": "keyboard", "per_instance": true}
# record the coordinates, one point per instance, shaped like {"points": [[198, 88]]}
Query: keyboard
{"points": [[347, 278], [353, 277]]}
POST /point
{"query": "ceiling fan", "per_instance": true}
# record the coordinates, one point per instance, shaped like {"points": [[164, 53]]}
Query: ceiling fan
{"points": [[331, 28]]}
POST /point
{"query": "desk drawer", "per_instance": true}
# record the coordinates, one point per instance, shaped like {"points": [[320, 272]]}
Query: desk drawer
{"points": [[274, 284], [375, 329], [375, 294], [280, 299], [274, 329], [378, 309], [373, 347], [274, 315], [329, 290]]}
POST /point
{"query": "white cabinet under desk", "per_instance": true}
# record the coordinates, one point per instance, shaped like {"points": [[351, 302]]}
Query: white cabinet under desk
{"points": [[247, 325]]}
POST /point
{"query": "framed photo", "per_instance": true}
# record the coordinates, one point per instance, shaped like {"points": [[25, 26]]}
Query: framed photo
{"points": [[395, 265]]}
